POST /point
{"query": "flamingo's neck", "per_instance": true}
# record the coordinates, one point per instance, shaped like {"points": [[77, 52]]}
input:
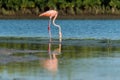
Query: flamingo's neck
{"points": [[60, 33], [55, 23]]}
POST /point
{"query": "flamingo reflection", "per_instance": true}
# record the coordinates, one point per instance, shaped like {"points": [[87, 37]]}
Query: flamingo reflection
{"points": [[51, 64]]}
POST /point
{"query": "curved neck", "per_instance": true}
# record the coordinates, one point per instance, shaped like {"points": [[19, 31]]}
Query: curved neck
{"points": [[60, 33], [55, 23]]}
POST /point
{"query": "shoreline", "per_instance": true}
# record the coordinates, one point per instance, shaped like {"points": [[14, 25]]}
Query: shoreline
{"points": [[82, 16]]}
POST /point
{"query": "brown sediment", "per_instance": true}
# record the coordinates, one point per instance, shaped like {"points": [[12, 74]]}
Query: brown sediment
{"points": [[81, 16], [90, 16]]}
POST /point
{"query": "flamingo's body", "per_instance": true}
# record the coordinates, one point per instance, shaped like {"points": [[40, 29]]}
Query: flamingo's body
{"points": [[52, 14]]}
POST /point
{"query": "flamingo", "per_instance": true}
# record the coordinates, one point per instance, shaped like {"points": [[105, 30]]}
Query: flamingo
{"points": [[52, 14]]}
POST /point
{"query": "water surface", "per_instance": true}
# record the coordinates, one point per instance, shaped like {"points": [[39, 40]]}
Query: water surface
{"points": [[90, 50], [80, 29]]}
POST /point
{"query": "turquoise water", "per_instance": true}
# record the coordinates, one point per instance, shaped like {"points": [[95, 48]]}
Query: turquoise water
{"points": [[80, 29], [78, 57]]}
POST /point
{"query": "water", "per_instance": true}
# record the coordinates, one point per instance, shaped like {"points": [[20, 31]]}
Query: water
{"points": [[73, 29], [33, 62], [90, 50]]}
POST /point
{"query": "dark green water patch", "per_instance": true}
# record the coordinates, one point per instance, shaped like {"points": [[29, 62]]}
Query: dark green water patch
{"points": [[69, 48]]}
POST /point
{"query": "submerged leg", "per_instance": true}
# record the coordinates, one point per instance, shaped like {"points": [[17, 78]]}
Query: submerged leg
{"points": [[49, 30]]}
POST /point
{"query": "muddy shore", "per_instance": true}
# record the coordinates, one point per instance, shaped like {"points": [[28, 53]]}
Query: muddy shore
{"points": [[82, 16]]}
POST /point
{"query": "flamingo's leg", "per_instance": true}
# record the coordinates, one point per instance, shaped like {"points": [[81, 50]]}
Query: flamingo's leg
{"points": [[49, 30]]}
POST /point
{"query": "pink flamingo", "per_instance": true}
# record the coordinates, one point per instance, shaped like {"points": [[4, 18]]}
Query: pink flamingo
{"points": [[52, 14]]}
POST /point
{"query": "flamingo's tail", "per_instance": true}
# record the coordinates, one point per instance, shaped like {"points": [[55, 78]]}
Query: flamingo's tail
{"points": [[47, 14], [42, 14]]}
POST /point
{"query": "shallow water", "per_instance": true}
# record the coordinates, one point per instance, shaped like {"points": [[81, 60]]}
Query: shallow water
{"points": [[83, 58], [80, 29], [35, 61]]}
